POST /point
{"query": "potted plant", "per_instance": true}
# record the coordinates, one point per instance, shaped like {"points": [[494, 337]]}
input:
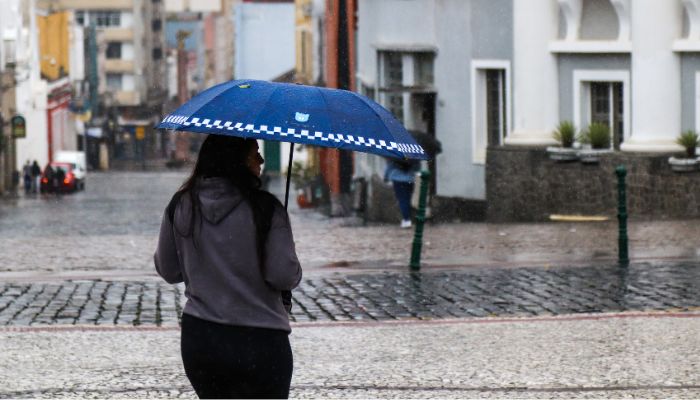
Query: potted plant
{"points": [[689, 140], [303, 178], [565, 135], [596, 139]]}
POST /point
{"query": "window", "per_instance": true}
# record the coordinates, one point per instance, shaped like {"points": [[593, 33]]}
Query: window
{"points": [[393, 70], [394, 103], [424, 69], [495, 106], [403, 77], [603, 96], [156, 25], [80, 17], [114, 81], [99, 18], [157, 53], [114, 50], [490, 106], [607, 108]]}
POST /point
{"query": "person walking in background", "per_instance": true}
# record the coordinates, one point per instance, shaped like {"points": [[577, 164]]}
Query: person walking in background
{"points": [[15, 182], [49, 176], [231, 243], [402, 175], [27, 176], [58, 176], [36, 177]]}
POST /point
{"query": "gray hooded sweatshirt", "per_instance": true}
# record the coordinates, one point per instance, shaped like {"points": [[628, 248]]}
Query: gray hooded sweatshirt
{"points": [[225, 281]]}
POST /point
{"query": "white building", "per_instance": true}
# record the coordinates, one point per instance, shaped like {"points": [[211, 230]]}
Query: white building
{"points": [[506, 72], [265, 49], [21, 46], [264, 34]]}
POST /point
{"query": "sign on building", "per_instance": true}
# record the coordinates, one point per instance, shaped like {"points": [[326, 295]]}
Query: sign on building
{"points": [[18, 127]]}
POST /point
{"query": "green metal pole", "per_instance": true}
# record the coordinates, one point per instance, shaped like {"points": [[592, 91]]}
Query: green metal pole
{"points": [[623, 253], [420, 221]]}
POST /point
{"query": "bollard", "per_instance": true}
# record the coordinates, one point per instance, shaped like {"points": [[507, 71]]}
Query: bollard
{"points": [[420, 221], [623, 254]]}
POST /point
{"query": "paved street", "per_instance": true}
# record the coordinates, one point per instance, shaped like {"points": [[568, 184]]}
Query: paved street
{"points": [[377, 297], [498, 310], [110, 231]]}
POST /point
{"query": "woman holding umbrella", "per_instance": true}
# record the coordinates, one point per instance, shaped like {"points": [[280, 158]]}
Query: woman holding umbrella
{"points": [[232, 245]]}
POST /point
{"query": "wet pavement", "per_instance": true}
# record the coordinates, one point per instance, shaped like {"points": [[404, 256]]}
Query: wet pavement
{"points": [[378, 296], [497, 311], [111, 229]]}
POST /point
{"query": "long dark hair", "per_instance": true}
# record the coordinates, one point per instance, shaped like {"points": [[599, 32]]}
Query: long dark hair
{"points": [[225, 157]]}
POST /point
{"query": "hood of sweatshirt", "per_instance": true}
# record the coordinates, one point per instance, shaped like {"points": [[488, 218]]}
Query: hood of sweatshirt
{"points": [[218, 197]]}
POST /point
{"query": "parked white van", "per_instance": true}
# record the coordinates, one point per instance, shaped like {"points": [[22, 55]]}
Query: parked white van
{"points": [[78, 163]]}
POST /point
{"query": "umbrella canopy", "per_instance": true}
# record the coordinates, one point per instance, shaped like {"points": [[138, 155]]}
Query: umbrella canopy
{"points": [[295, 113]]}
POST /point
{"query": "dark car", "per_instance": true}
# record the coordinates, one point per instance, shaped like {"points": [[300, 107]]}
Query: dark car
{"points": [[59, 178]]}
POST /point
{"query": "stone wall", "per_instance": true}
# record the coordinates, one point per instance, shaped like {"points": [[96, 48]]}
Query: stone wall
{"points": [[523, 184], [383, 207]]}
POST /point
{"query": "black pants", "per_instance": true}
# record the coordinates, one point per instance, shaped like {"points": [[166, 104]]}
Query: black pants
{"points": [[223, 361]]}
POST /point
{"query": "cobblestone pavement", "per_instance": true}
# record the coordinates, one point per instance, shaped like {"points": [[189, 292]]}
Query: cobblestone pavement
{"points": [[609, 356], [111, 230], [82, 313], [383, 296]]}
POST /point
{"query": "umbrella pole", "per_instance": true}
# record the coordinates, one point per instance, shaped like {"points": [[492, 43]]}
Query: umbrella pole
{"points": [[289, 174]]}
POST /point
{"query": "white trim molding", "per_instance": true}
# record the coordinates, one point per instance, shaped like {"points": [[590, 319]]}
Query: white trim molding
{"points": [[686, 46], [590, 46], [622, 8], [691, 43], [697, 101], [583, 76], [478, 105], [572, 9], [692, 8]]}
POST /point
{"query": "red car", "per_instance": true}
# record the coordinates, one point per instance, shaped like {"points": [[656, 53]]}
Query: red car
{"points": [[58, 177]]}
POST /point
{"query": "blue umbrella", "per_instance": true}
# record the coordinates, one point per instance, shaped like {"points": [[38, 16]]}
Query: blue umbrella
{"points": [[297, 114]]}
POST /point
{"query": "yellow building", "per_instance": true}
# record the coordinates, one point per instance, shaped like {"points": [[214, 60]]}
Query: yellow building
{"points": [[54, 44], [304, 68]]}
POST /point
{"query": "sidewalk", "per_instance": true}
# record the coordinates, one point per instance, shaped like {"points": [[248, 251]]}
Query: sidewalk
{"points": [[610, 356]]}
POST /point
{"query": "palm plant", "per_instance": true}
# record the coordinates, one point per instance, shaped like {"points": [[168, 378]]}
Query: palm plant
{"points": [[690, 141], [597, 135], [565, 134]]}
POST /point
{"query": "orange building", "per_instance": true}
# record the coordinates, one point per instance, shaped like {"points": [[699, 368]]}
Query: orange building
{"points": [[54, 45], [54, 56], [337, 166]]}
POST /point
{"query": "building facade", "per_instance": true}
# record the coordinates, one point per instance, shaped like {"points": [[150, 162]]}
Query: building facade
{"points": [[504, 73], [264, 49], [130, 69]]}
